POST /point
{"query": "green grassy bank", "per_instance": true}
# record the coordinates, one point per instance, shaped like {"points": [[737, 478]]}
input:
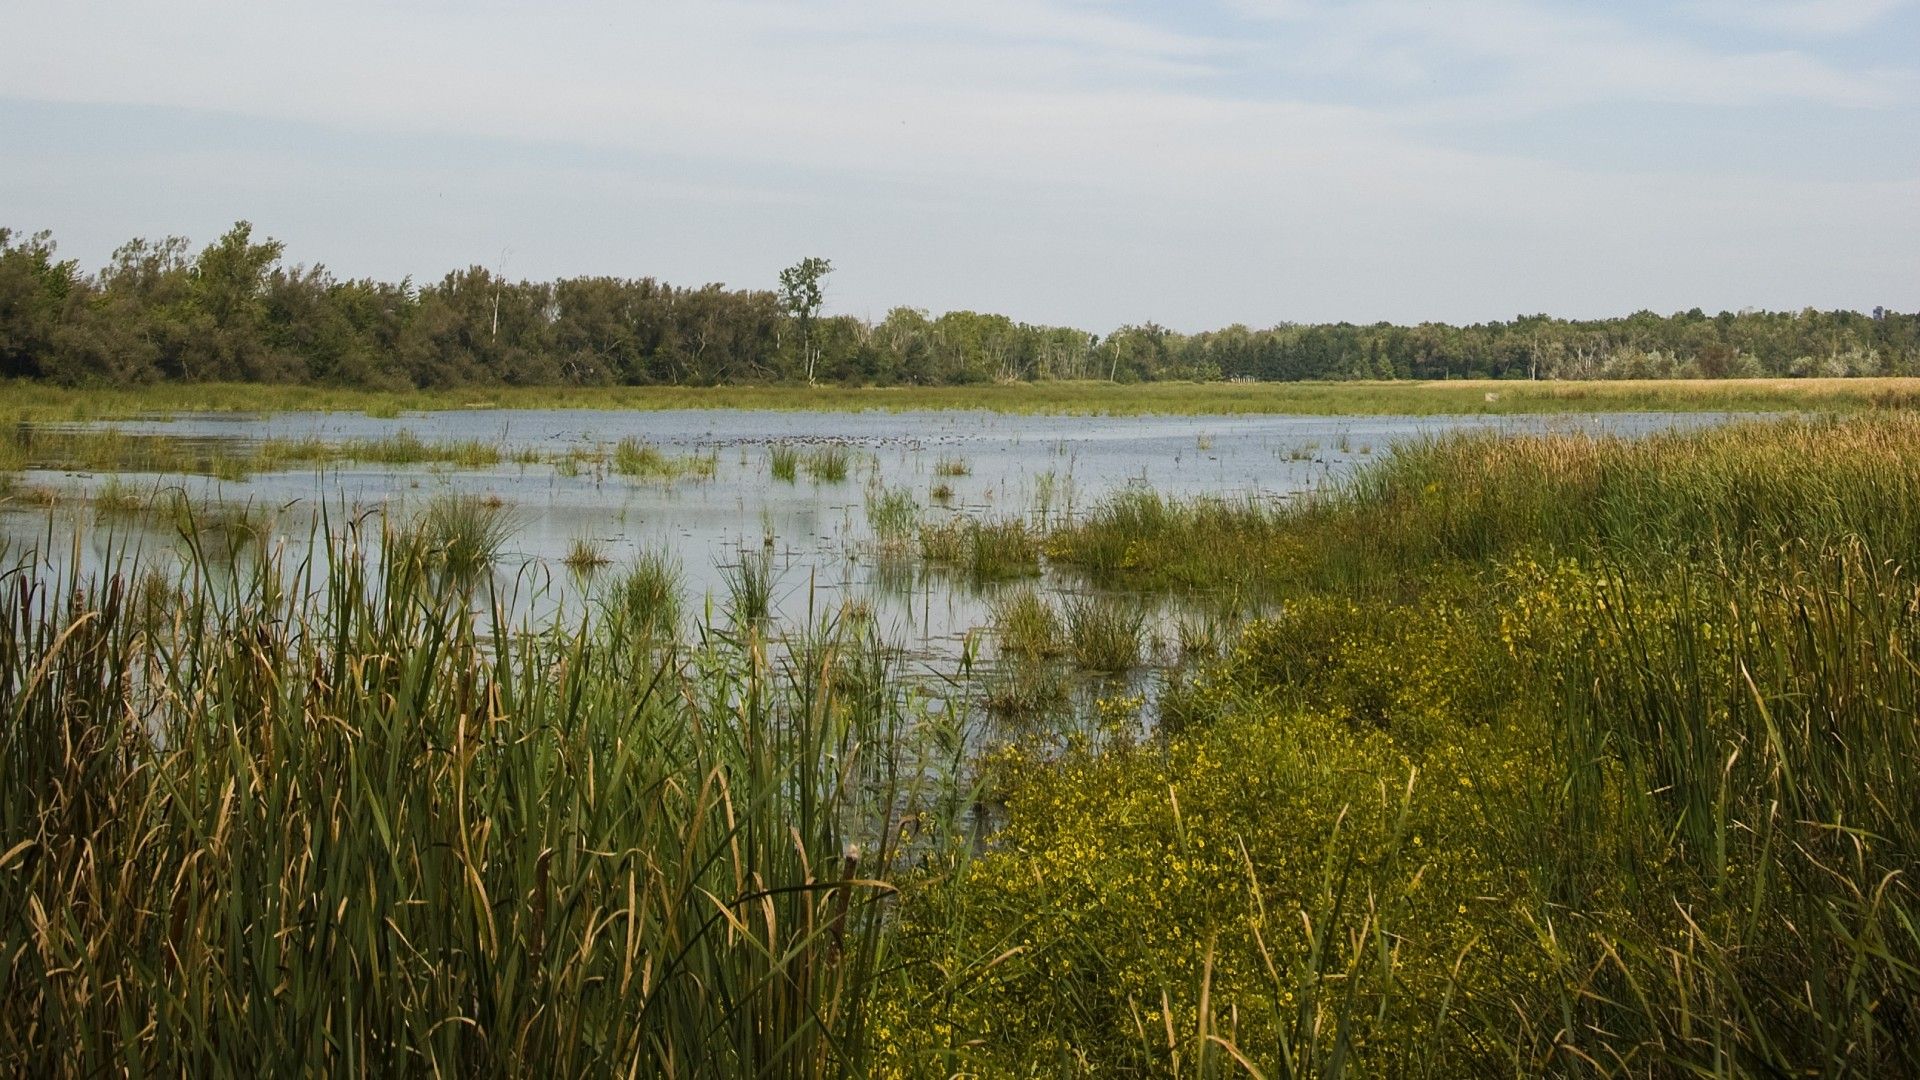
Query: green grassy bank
{"points": [[35, 401]]}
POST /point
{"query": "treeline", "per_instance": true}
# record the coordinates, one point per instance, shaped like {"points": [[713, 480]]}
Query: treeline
{"points": [[236, 311]]}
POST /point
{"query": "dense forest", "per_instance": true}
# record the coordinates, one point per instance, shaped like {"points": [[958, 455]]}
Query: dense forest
{"points": [[236, 311]]}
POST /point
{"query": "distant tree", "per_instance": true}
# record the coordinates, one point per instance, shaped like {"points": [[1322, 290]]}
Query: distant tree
{"points": [[801, 296], [34, 291]]}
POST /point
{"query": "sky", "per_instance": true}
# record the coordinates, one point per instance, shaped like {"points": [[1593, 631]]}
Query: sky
{"points": [[1081, 162]]}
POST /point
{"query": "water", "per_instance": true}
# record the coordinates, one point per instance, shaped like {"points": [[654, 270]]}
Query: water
{"points": [[817, 534]]}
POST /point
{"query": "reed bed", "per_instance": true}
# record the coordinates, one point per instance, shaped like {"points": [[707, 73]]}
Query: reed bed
{"points": [[1469, 498], [326, 818]]}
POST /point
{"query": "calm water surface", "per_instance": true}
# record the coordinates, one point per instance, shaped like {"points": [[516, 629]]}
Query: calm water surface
{"points": [[821, 543]]}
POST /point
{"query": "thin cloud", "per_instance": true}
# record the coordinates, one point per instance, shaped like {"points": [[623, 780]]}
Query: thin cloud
{"points": [[1799, 18]]}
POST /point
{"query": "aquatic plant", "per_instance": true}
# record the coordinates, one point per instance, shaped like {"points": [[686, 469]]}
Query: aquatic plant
{"points": [[892, 514], [1027, 692], [1103, 632], [828, 463], [985, 550], [585, 555], [1025, 624], [642, 604], [784, 461], [463, 534], [750, 584], [559, 859]]}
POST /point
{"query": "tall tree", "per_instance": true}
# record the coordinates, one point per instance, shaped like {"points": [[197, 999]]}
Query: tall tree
{"points": [[801, 296]]}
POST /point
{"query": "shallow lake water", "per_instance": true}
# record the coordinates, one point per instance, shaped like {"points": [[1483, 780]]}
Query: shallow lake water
{"points": [[818, 535]]}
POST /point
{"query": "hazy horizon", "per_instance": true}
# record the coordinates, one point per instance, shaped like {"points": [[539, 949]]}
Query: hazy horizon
{"points": [[1074, 163]]}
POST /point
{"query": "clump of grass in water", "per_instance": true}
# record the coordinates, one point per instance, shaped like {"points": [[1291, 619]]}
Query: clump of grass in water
{"points": [[893, 515], [114, 499], [585, 555], [984, 550], [828, 464], [1026, 625], [1103, 632], [643, 603], [750, 585], [223, 531], [1027, 691], [784, 460], [952, 466], [941, 493], [631, 457], [464, 534]]}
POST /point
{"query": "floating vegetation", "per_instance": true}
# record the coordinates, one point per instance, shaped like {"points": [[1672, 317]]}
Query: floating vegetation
{"points": [[952, 466]]}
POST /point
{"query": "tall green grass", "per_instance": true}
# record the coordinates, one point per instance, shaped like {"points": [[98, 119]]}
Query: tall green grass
{"points": [[631, 457], [893, 515], [1560, 756], [350, 826], [1465, 499], [783, 460], [828, 463], [983, 550], [1554, 756]]}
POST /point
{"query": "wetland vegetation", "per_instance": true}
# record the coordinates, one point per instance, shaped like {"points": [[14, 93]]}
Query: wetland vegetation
{"points": [[38, 401], [1506, 752]]}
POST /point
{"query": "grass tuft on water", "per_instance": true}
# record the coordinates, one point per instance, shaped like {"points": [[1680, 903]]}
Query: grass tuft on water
{"points": [[1104, 632], [783, 459], [585, 555], [828, 463], [1026, 625]]}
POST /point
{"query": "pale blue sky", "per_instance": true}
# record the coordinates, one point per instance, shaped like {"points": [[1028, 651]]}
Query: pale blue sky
{"points": [[1090, 162]]}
